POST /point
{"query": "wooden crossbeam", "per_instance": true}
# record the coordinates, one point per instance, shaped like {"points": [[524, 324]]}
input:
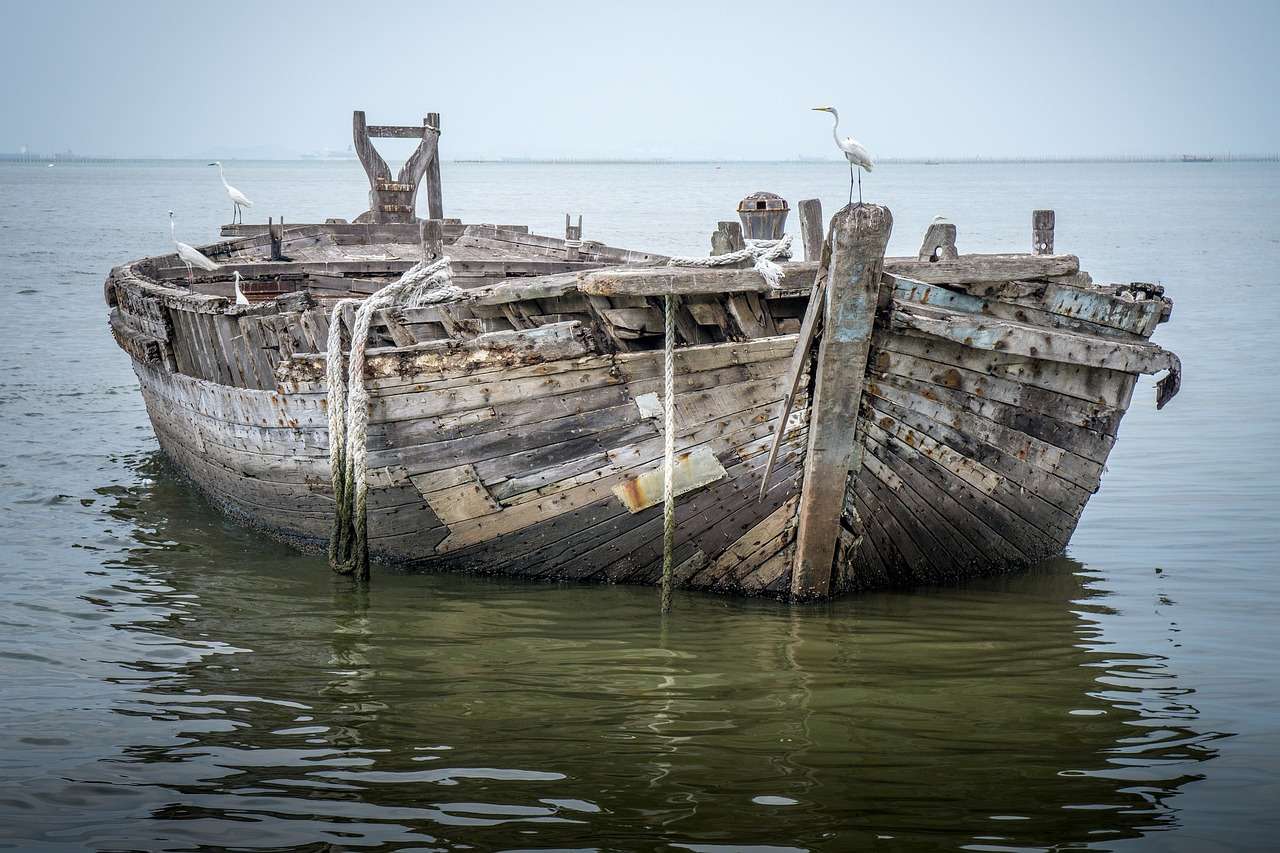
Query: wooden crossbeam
{"points": [[395, 131]]}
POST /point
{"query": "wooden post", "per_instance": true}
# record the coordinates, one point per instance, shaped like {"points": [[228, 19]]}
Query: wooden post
{"points": [[1042, 222], [939, 243], [435, 198], [431, 235], [572, 238], [277, 239], [811, 228], [859, 235], [727, 238]]}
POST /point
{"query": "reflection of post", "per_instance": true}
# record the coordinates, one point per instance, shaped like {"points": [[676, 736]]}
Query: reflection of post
{"points": [[859, 235]]}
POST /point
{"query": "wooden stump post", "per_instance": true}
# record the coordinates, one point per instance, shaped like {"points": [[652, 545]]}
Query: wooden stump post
{"points": [[811, 228], [727, 238], [939, 243], [277, 239], [1042, 222], [859, 235]]}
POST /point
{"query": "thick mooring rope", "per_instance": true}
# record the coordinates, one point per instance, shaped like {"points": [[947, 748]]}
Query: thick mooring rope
{"points": [[763, 252], [421, 284], [668, 449]]}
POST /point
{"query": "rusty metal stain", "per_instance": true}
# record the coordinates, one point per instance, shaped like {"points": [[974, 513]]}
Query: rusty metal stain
{"points": [[692, 470]]}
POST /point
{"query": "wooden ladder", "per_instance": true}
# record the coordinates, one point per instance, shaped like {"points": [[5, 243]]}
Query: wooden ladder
{"points": [[394, 200]]}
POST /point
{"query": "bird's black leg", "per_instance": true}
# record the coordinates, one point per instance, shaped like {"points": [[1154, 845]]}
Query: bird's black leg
{"points": [[859, 188], [850, 183]]}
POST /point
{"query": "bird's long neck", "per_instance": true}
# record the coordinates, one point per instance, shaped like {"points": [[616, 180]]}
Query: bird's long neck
{"points": [[835, 127], [173, 230], [224, 177]]}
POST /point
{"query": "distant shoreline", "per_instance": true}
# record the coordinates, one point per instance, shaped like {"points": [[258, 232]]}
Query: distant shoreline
{"points": [[1199, 159]]}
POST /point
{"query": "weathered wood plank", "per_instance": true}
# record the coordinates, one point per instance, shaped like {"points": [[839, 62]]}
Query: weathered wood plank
{"points": [[858, 238]]}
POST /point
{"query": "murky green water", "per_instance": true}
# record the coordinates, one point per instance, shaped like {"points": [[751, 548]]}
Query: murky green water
{"points": [[170, 681]]}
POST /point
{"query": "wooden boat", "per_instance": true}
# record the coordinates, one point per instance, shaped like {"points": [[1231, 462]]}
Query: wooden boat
{"points": [[935, 417]]}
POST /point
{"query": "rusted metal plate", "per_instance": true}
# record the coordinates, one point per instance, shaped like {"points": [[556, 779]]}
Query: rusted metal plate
{"points": [[693, 470]]}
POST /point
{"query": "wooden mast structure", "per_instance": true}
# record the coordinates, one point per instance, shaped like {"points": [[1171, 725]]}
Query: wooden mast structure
{"points": [[394, 200]]}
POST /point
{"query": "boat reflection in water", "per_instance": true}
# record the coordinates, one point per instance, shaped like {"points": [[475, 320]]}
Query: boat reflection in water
{"points": [[279, 706]]}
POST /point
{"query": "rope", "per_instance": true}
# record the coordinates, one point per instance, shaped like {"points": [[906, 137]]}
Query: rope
{"points": [[669, 449], [421, 284], [764, 253]]}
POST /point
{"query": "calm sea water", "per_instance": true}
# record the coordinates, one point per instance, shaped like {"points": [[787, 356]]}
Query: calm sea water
{"points": [[170, 681]]}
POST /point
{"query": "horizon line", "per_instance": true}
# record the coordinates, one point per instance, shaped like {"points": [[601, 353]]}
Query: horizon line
{"points": [[68, 157]]}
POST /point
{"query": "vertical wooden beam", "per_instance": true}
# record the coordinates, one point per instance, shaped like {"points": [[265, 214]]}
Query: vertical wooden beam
{"points": [[431, 237], [277, 240], [435, 197], [859, 235], [811, 228], [1042, 222]]}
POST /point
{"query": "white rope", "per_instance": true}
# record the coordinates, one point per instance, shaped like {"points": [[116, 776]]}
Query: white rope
{"points": [[668, 449], [421, 284], [763, 252]]}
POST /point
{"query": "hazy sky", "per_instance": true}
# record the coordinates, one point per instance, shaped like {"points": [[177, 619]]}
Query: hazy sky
{"points": [[645, 79]]}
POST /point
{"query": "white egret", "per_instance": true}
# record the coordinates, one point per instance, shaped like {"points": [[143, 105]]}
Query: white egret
{"points": [[238, 199], [188, 255], [854, 151], [241, 299]]}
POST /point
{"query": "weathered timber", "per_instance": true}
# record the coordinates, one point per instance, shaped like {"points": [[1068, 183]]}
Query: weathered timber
{"points": [[1042, 224], [392, 200], [811, 235], [939, 242], [858, 237]]}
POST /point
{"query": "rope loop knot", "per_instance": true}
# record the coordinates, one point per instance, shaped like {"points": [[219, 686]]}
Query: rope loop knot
{"points": [[763, 253], [422, 284]]}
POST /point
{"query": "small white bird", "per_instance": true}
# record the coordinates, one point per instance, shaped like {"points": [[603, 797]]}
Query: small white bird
{"points": [[189, 255], [854, 151], [241, 299], [238, 199]]}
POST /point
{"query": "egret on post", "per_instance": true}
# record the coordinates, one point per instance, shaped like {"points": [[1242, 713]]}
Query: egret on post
{"points": [[854, 151], [238, 199], [188, 255]]}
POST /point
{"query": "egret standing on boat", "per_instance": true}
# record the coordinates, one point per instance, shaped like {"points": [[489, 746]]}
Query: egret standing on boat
{"points": [[238, 199], [854, 152], [189, 255], [241, 299]]}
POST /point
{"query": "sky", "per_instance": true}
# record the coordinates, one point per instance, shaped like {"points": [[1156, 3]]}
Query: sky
{"points": [[684, 80]]}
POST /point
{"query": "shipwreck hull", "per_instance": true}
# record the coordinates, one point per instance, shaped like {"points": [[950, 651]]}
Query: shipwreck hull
{"points": [[518, 430]]}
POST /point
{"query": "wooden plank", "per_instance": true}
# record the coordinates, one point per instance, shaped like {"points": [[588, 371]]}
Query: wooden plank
{"points": [[811, 233], [683, 281], [1009, 336], [977, 268], [858, 238]]}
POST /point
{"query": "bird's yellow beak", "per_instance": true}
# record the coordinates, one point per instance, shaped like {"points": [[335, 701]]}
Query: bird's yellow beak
{"points": [[822, 109]]}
